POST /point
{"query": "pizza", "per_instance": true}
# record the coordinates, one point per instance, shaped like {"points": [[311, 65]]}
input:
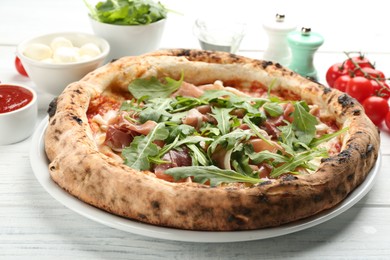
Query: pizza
{"points": [[202, 140]]}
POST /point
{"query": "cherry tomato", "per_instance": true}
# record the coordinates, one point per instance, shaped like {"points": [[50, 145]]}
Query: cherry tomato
{"points": [[360, 88], [376, 108], [335, 71], [341, 82], [374, 73], [381, 89], [387, 120], [19, 67], [359, 60]]}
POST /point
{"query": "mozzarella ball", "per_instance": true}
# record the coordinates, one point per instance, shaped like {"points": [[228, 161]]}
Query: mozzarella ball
{"points": [[38, 51], [60, 42], [89, 49], [66, 55]]}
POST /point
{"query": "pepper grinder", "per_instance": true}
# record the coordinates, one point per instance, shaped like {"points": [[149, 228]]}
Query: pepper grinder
{"points": [[278, 49], [303, 45]]}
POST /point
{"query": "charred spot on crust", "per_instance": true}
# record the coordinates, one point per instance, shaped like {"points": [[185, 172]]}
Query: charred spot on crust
{"points": [[341, 190], [277, 65], [52, 107], [356, 112], [326, 89], [234, 57], [344, 156], [155, 204], [239, 220], [264, 183], [350, 177], [289, 177], [345, 100], [78, 120], [318, 198], [312, 79], [141, 216], [265, 64], [262, 198], [181, 212], [184, 52], [77, 91], [369, 150]]}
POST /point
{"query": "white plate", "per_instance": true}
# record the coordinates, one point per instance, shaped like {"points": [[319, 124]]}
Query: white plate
{"points": [[39, 163]]}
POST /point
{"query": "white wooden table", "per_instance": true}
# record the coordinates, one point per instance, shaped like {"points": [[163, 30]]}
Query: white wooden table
{"points": [[34, 225]]}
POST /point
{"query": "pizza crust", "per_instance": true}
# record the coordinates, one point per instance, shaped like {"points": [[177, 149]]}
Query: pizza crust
{"points": [[78, 167]]}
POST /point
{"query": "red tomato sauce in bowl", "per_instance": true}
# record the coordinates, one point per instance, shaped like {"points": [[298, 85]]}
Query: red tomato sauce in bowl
{"points": [[13, 98]]}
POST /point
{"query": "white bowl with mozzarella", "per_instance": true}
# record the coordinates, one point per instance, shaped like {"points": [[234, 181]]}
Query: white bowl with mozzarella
{"points": [[55, 60]]}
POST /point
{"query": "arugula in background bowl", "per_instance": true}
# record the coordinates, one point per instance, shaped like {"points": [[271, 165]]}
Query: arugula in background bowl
{"points": [[127, 12]]}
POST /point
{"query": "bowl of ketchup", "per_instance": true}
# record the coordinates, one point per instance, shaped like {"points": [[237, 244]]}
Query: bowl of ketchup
{"points": [[18, 112]]}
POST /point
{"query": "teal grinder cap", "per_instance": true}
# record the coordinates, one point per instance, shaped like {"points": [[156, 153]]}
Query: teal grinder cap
{"points": [[303, 45]]}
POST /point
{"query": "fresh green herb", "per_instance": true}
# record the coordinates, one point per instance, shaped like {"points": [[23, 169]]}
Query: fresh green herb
{"points": [[127, 12], [198, 155], [273, 109], [267, 156], [304, 123], [236, 120], [155, 110], [222, 115], [256, 130], [229, 140], [136, 155], [326, 137], [213, 174], [300, 160], [154, 88]]}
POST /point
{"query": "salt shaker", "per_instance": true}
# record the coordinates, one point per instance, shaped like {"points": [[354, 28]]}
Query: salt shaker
{"points": [[303, 46], [278, 49]]}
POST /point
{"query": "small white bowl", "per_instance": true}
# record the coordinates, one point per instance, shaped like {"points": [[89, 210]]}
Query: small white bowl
{"points": [[130, 40], [54, 77], [16, 125]]}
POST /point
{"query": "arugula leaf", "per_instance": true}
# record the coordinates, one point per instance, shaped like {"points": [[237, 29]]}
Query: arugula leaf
{"points": [[300, 159], [142, 147], [153, 87], [198, 155], [126, 12], [130, 105], [212, 95], [193, 140], [240, 159], [215, 175], [222, 115], [304, 123], [229, 140], [185, 104], [255, 129], [156, 110], [267, 156], [273, 109], [326, 137]]}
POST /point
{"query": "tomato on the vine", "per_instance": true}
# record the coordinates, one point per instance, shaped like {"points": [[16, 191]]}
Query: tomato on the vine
{"points": [[381, 89], [341, 82], [376, 108], [373, 73], [19, 67], [334, 72], [360, 60], [387, 120], [360, 88]]}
